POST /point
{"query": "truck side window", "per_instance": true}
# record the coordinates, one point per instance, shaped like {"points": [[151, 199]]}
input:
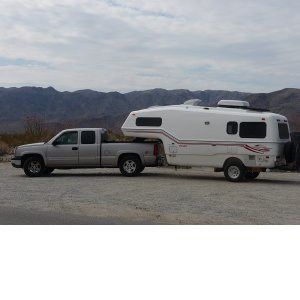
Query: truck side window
{"points": [[67, 138], [232, 128], [255, 130], [88, 137]]}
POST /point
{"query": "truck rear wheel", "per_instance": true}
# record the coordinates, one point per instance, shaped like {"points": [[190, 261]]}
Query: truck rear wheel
{"points": [[234, 170], [130, 166], [34, 166]]}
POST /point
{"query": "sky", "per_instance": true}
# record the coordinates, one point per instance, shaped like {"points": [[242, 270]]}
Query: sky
{"points": [[114, 45]]}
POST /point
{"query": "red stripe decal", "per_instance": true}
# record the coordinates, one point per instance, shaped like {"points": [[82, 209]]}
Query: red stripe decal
{"points": [[260, 149]]}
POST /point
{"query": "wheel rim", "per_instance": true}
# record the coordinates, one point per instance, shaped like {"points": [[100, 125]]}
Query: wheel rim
{"points": [[34, 167], [129, 166], [234, 172]]}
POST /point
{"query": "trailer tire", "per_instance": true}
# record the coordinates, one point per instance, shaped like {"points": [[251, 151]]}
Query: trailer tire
{"points": [[34, 166], [130, 165], [234, 170], [251, 175], [289, 152]]}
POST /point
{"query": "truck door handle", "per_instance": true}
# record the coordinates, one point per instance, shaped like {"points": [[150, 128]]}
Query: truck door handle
{"points": [[74, 148]]}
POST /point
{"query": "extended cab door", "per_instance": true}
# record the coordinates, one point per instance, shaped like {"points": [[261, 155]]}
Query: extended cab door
{"points": [[63, 152], [89, 149]]}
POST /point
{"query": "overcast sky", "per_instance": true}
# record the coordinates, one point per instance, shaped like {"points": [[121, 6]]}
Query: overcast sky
{"points": [[250, 46]]}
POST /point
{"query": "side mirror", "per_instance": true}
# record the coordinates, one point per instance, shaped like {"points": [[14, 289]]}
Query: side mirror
{"points": [[55, 143]]}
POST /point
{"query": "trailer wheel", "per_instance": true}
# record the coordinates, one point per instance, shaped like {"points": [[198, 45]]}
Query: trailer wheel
{"points": [[130, 166], [234, 170], [290, 152], [34, 166], [251, 175]]}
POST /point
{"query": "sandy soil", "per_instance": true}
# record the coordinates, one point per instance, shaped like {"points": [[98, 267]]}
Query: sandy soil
{"points": [[158, 196]]}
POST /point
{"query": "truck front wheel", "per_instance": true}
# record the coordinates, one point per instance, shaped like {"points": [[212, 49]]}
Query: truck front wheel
{"points": [[34, 166], [130, 166]]}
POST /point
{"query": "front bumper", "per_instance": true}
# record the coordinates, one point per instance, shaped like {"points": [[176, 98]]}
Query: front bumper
{"points": [[16, 162]]}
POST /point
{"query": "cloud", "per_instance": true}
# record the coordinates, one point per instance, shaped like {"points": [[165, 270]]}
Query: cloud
{"points": [[134, 45]]}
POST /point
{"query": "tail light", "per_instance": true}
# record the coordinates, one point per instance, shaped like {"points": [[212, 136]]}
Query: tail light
{"points": [[155, 150]]}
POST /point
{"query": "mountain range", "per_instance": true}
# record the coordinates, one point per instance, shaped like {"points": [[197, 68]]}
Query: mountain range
{"points": [[88, 108]]}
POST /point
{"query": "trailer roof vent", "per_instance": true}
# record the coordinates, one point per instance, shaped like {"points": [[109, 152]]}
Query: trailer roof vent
{"points": [[193, 102], [233, 104]]}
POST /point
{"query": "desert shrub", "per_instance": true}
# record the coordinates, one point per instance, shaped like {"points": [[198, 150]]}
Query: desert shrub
{"points": [[113, 136], [4, 149], [34, 131], [17, 139]]}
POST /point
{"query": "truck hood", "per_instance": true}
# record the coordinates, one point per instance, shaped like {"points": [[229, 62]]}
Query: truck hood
{"points": [[31, 145]]}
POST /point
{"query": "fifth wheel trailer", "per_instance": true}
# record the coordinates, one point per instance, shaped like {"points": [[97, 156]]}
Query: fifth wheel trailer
{"points": [[233, 137]]}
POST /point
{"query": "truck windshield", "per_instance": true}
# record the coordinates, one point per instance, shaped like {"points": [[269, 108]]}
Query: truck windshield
{"points": [[283, 131]]}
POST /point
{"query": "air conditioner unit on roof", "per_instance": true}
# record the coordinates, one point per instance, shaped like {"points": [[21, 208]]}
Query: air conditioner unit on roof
{"points": [[233, 103]]}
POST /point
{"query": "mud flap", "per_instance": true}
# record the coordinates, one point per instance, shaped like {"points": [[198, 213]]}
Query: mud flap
{"points": [[290, 152], [297, 162]]}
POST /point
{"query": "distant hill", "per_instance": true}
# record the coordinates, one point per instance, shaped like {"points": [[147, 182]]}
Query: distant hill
{"points": [[97, 109], [285, 102]]}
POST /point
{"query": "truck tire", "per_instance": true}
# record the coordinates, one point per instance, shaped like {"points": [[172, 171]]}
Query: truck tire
{"points": [[130, 165], [251, 175], [289, 152], [34, 166], [234, 170]]}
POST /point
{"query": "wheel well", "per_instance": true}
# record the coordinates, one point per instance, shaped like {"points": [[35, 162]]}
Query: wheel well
{"points": [[231, 160], [128, 154], [26, 156]]}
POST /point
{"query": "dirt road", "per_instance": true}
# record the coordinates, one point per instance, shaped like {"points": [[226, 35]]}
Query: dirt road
{"points": [[158, 196]]}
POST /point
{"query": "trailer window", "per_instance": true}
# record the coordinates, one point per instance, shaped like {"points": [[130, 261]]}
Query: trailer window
{"points": [[283, 131], [255, 130], [155, 122], [232, 128], [88, 137]]}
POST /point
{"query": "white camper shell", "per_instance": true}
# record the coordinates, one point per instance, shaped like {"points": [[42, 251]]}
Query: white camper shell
{"points": [[231, 137]]}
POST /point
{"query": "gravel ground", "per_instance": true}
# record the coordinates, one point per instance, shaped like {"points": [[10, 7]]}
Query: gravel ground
{"points": [[158, 196]]}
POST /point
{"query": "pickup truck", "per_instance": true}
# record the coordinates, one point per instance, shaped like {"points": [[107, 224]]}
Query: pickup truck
{"points": [[85, 148]]}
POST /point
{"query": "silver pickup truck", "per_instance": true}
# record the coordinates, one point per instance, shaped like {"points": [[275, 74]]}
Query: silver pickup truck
{"points": [[85, 148]]}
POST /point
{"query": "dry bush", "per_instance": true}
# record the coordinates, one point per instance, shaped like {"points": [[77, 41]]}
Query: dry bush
{"points": [[35, 127], [113, 136], [4, 149], [34, 131], [17, 139]]}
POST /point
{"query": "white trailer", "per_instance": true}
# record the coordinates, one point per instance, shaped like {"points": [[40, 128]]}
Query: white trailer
{"points": [[234, 138]]}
